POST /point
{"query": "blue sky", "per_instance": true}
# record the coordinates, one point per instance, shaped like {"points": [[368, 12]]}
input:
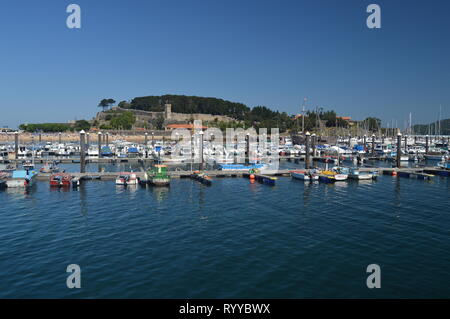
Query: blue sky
{"points": [[270, 53]]}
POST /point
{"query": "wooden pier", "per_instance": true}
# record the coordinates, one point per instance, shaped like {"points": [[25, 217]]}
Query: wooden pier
{"points": [[239, 173]]}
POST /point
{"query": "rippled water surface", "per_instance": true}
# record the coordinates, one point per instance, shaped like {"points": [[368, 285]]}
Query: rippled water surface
{"points": [[233, 239]]}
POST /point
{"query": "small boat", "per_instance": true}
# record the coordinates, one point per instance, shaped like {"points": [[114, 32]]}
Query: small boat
{"points": [[202, 178], [7, 168], [61, 180], [21, 178], [49, 168], [445, 165], [127, 178], [361, 175], [335, 175], [305, 176], [28, 165], [158, 176]]}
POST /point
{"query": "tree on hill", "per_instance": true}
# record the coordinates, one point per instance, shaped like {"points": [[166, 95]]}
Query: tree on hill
{"points": [[105, 103], [82, 125], [124, 121]]}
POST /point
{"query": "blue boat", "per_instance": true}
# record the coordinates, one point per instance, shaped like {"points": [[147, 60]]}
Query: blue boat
{"points": [[445, 165], [106, 151], [21, 178], [132, 152]]}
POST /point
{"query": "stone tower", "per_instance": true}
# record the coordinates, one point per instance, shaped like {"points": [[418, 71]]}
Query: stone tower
{"points": [[168, 111]]}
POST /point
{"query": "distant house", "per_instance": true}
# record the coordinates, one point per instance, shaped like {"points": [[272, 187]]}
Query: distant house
{"points": [[345, 118], [171, 127]]}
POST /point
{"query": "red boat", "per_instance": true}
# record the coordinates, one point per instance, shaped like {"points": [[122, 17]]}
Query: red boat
{"points": [[61, 180]]}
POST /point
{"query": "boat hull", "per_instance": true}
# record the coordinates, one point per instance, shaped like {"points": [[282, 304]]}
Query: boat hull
{"points": [[159, 181]]}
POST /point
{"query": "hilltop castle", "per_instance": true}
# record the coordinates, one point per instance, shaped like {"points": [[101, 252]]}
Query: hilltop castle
{"points": [[146, 118]]}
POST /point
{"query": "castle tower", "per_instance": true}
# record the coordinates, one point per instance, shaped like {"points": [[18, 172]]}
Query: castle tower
{"points": [[168, 111]]}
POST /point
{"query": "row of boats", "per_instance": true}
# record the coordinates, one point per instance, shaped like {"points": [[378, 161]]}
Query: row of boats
{"points": [[334, 175]]}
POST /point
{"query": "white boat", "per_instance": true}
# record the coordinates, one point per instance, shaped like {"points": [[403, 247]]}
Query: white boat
{"points": [[341, 173], [305, 176], [127, 178], [28, 165], [361, 175], [21, 178]]}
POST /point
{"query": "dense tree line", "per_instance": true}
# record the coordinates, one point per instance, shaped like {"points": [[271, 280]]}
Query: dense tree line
{"points": [[258, 116], [56, 127], [188, 105]]}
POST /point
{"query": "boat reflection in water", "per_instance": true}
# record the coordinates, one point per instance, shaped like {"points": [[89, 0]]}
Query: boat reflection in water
{"points": [[160, 193]]}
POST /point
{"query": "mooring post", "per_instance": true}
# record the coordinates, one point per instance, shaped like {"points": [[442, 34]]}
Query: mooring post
{"points": [[40, 138], [16, 146], [313, 145], [399, 148], [145, 143], [307, 136], [59, 137], [88, 140], [426, 144], [107, 138], [373, 144], [192, 149], [153, 140], [99, 144], [82, 152], [247, 148], [349, 140], [382, 139], [201, 150]]}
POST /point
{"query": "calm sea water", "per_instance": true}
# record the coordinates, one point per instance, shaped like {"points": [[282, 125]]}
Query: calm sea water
{"points": [[233, 239]]}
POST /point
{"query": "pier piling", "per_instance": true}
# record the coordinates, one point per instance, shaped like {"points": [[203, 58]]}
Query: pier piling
{"points": [[399, 148], [82, 152], [201, 150], [59, 137], [307, 136], [247, 149], [313, 145], [146, 145], [99, 144], [16, 145], [88, 140], [426, 144], [373, 144]]}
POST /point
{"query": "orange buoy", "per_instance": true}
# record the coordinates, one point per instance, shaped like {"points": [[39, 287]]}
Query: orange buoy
{"points": [[394, 173], [252, 176]]}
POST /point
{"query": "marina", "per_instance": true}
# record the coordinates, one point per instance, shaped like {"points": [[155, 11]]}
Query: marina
{"points": [[227, 155]]}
